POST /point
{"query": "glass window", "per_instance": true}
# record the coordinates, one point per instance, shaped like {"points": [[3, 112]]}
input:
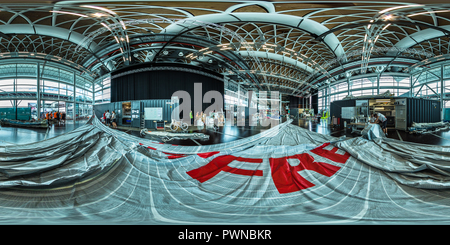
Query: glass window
{"points": [[97, 87], [446, 103], [66, 76], [26, 85], [447, 71], [386, 81], [107, 82], [107, 95], [368, 91], [51, 87], [6, 103], [401, 92], [435, 73], [402, 81]]}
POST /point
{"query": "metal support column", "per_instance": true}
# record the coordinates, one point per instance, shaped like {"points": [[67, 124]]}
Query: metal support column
{"points": [[378, 83], [38, 91], [442, 92], [411, 86], [348, 86], [74, 97]]}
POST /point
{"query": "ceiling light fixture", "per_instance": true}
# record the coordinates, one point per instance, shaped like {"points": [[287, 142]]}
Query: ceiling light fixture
{"points": [[123, 25], [99, 8], [399, 7], [64, 12], [98, 15], [105, 25], [428, 12], [388, 16], [272, 45], [289, 49]]}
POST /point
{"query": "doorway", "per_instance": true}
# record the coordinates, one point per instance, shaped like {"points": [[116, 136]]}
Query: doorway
{"points": [[126, 113]]}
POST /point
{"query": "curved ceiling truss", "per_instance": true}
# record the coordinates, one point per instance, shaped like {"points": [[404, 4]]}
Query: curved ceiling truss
{"points": [[292, 47]]}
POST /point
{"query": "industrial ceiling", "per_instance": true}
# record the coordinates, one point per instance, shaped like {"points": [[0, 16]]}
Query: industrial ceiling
{"points": [[293, 47]]}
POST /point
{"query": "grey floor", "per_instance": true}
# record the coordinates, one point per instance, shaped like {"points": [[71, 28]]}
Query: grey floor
{"points": [[13, 135]]}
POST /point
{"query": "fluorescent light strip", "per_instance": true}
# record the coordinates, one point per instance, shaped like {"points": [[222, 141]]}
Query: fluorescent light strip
{"points": [[386, 26], [63, 12], [429, 12], [399, 7], [99, 8], [105, 25]]}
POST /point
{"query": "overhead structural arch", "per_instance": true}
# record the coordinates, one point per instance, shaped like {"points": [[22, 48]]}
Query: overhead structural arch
{"points": [[312, 27], [51, 31], [418, 37], [265, 5], [278, 57]]}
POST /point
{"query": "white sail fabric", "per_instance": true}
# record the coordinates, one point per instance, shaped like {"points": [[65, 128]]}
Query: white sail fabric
{"points": [[285, 175]]}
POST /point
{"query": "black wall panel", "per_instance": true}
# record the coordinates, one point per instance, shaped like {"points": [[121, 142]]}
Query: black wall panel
{"points": [[422, 111], [149, 124], [336, 109], [296, 102], [315, 103], [418, 110], [161, 84]]}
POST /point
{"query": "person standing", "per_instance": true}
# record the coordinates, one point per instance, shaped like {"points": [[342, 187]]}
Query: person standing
{"points": [[57, 116], [108, 118], [63, 118], [113, 119], [192, 117]]}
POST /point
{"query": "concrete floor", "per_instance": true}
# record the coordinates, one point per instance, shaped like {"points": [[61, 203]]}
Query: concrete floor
{"points": [[12, 135], [16, 135]]}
